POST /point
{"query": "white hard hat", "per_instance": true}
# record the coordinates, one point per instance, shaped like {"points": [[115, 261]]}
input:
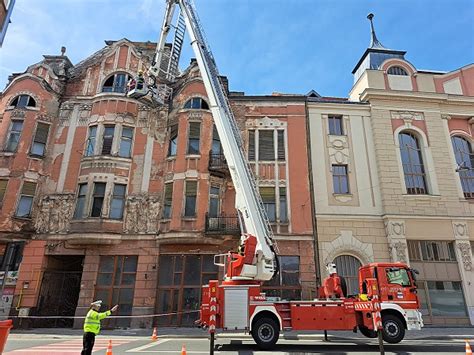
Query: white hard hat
{"points": [[97, 303]]}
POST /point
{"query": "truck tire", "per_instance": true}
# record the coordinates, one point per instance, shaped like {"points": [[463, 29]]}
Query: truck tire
{"points": [[369, 333], [265, 332], [393, 329]]}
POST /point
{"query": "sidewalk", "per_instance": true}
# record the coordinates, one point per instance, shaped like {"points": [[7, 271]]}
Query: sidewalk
{"points": [[425, 333]]}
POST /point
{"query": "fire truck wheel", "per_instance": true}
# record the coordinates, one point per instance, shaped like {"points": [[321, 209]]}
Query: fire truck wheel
{"points": [[369, 333], [265, 332], [393, 329]]}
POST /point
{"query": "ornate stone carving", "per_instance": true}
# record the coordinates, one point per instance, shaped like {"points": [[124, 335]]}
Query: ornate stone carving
{"points": [[85, 107], [18, 113], [460, 230], [67, 106], [407, 116], [347, 243], [54, 213], [465, 251], [44, 117], [338, 149], [397, 244], [398, 251], [142, 214]]}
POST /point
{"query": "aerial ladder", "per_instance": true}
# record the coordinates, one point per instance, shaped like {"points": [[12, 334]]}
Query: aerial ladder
{"points": [[387, 303]]}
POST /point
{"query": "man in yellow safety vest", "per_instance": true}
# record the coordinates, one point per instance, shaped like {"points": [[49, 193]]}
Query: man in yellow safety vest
{"points": [[92, 325]]}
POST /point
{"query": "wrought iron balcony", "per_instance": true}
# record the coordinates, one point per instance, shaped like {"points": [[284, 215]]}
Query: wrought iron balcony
{"points": [[222, 225], [217, 163]]}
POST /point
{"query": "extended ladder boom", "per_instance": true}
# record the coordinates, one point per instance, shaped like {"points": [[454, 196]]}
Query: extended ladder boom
{"points": [[261, 264]]}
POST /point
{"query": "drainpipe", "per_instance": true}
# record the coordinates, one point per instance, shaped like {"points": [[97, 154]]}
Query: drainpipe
{"points": [[313, 202]]}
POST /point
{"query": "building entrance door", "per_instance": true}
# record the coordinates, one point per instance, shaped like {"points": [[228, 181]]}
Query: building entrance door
{"points": [[179, 287], [59, 291]]}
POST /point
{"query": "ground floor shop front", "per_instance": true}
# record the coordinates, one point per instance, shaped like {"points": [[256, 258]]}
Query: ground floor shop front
{"points": [[142, 276]]}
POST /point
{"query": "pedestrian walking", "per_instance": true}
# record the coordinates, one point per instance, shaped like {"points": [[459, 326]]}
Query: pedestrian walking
{"points": [[92, 326]]}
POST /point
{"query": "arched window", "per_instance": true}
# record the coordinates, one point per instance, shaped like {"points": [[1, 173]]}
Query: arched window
{"points": [[22, 101], [397, 71], [348, 266], [464, 159], [116, 83], [412, 161], [196, 103]]}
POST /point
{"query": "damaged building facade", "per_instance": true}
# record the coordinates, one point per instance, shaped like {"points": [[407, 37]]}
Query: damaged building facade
{"points": [[110, 198]]}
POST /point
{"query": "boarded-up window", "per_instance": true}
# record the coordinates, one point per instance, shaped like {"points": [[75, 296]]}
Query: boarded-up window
{"points": [[168, 200], [194, 135], [251, 145], [41, 137], [26, 200], [173, 147], [190, 200], [3, 189], [266, 146]]}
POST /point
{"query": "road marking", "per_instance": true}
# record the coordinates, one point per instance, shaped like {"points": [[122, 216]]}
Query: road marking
{"points": [[143, 347]]}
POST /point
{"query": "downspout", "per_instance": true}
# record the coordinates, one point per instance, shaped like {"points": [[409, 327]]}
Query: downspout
{"points": [[313, 203]]}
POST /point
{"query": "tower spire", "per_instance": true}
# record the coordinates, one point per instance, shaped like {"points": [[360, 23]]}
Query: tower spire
{"points": [[374, 42]]}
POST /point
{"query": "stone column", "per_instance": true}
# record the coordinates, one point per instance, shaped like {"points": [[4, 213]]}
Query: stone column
{"points": [[397, 242], [466, 269]]}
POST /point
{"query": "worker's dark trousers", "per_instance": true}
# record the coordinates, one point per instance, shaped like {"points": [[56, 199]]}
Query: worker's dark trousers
{"points": [[88, 343]]}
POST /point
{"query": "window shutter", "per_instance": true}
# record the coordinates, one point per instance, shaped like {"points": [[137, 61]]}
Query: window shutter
{"points": [[29, 188], [191, 188], [3, 188], [267, 194], [42, 131], [251, 144], [194, 130], [281, 145], [265, 145]]}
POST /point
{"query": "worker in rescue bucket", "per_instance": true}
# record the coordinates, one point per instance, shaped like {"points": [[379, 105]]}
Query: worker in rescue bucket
{"points": [[140, 80], [92, 325]]}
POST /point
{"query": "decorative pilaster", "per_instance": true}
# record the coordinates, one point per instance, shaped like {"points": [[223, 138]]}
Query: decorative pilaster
{"points": [[464, 258]]}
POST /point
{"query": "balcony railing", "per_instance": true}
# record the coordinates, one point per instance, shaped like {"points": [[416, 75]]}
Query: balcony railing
{"points": [[217, 163], [222, 225]]}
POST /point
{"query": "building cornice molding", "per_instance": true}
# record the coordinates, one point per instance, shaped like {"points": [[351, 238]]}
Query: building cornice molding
{"points": [[369, 93]]}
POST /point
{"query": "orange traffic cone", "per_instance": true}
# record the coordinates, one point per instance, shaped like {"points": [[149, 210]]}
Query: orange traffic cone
{"points": [[183, 350], [154, 336], [109, 348], [468, 348]]}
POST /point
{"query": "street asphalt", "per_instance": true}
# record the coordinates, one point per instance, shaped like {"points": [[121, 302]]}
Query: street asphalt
{"points": [[170, 341]]}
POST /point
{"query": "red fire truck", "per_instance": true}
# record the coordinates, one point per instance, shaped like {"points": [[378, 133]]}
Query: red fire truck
{"points": [[387, 298]]}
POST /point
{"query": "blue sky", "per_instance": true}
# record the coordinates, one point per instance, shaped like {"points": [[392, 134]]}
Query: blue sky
{"points": [[289, 46]]}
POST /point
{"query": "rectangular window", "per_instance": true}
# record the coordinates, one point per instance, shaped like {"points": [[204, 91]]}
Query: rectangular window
{"points": [[39, 142], [194, 135], [126, 142], [26, 200], [167, 204], [98, 199], [14, 136], [424, 250], [283, 206], [268, 198], [118, 201], [107, 140], [81, 201], [281, 145], [446, 298], [214, 201], [286, 284], [251, 145], [3, 189], [340, 179], [190, 199], [90, 144], [173, 147], [336, 125], [266, 145]]}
